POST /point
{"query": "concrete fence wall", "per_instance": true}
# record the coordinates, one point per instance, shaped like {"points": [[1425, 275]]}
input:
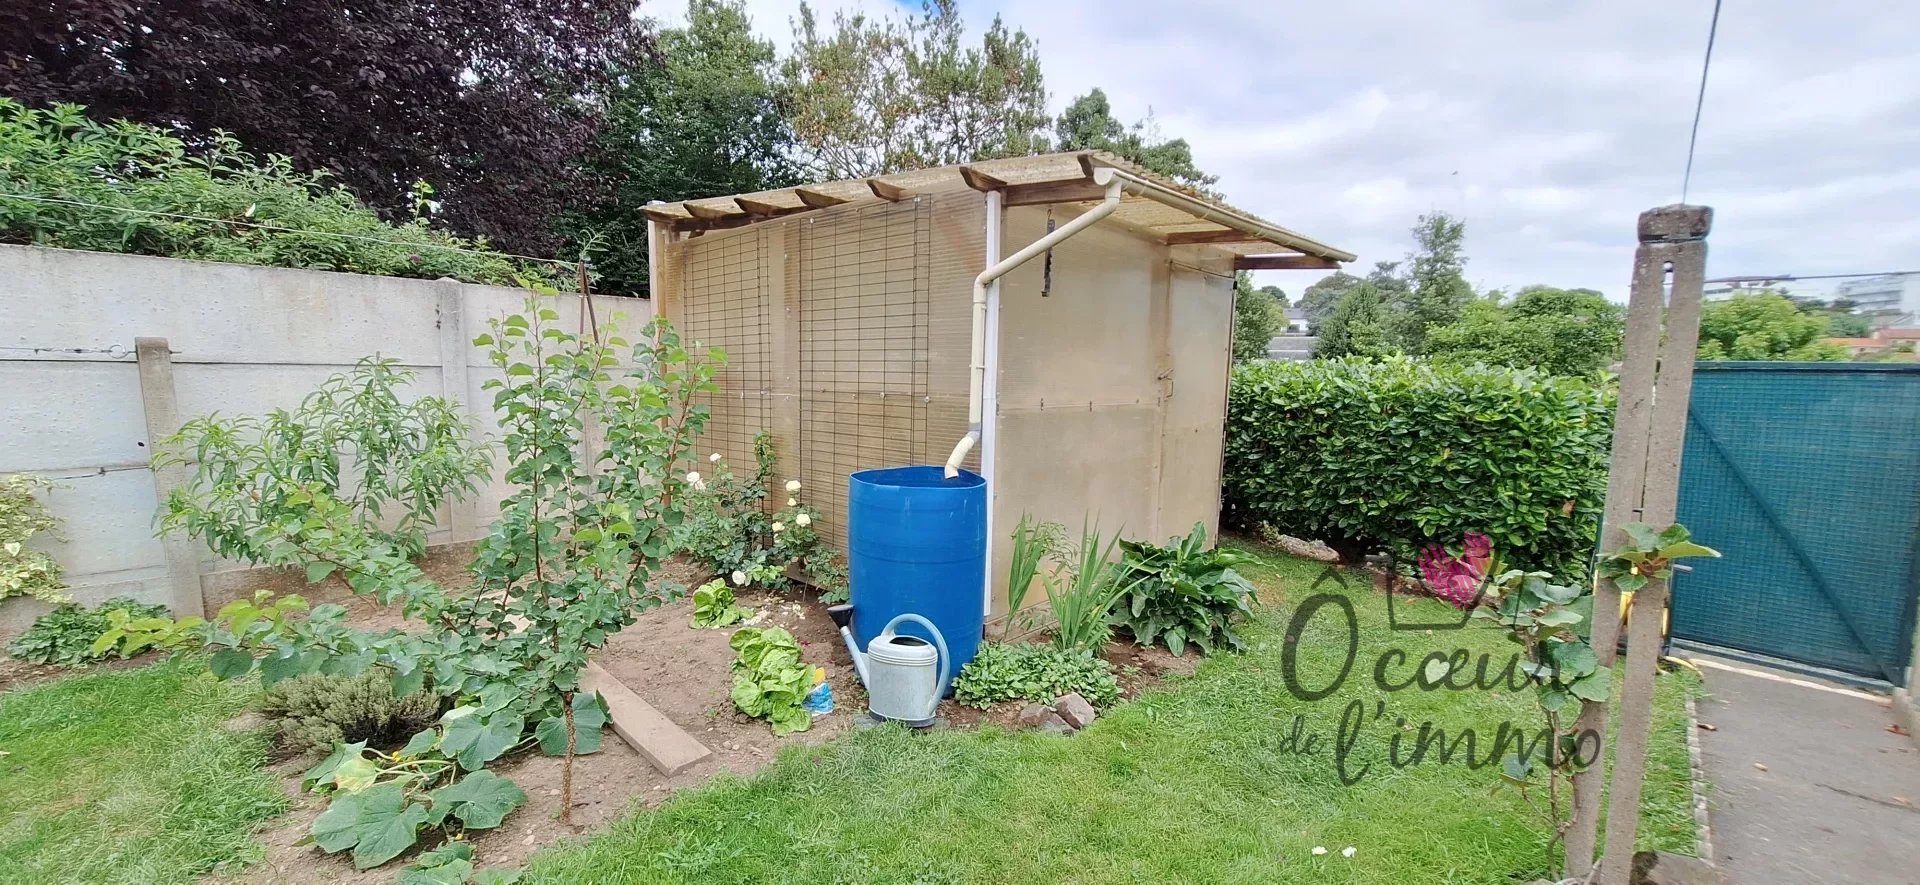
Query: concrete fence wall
{"points": [[101, 354]]}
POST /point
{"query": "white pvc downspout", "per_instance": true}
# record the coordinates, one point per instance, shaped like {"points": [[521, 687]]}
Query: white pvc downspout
{"points": [[1107, 178]]}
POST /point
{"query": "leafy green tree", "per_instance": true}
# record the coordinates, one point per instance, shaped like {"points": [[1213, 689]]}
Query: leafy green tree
{"points": [[1358, 326], [1088, 124], [1437, 290], [1842, 321], [491, 101], [1257, 317], [874, 96], [699, 118], [1560, 331], [1324, 295], [1763, 326]]}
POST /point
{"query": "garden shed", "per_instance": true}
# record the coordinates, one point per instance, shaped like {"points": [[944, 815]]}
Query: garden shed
{"points": [[1060, 324]]}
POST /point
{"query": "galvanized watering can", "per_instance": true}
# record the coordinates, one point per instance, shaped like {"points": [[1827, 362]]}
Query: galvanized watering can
{"points": [[903, 674]]}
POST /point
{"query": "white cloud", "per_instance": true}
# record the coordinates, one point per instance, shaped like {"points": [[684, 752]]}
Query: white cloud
{"points": [[1546, 126]]}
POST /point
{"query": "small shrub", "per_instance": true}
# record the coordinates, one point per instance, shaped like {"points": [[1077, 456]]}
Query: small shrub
{"points": [[769, 679], [731, 532], [1395, 455], [314, 712], [1037, 673], [1182, 593], [713, 606], [25, 571], [64, 637]]}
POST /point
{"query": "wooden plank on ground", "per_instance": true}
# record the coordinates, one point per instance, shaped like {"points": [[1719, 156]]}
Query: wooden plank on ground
{"points": [[666, 745]]}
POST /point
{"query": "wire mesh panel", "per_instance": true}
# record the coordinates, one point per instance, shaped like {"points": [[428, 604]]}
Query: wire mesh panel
{"points": [[725, 305], [864, 306], [1806, 476]]}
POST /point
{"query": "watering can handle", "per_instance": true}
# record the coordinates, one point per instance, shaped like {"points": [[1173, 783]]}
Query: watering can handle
{"points": [[939, 642]]}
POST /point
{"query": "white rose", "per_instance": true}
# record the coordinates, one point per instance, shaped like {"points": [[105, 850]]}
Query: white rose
{"points": [[739, 578], [777, 526], [792, 503], [802, 519], [793, 485], [715, 457], [693, 477]]}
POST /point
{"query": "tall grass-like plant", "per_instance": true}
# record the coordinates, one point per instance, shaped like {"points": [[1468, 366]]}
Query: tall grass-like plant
{"points": [[1086, 591], [1033, 542]]}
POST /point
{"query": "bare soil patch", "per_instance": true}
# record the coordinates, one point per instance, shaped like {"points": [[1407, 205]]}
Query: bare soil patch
{"points": [[17, 674]]}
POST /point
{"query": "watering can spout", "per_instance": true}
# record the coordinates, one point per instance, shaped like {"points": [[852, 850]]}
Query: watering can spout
{"points": [[842, 616]]}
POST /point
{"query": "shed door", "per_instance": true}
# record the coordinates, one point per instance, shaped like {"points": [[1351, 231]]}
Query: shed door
{"points": [[1201, 307]]}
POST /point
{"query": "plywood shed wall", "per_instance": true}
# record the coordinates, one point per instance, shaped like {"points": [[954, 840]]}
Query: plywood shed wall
{"points": [[846, 332], [1111, 390]]}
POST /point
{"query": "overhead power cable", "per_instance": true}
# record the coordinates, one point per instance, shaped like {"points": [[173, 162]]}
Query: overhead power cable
{"points": [[1700, 101]]}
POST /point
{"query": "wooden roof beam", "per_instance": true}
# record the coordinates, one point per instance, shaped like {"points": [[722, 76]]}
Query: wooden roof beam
{"points": [[1054, 192], [887, 190], [818, 199], [708, 213], [1203, 237], [1284, 262], [662, 216], [764, 209], [981, 181]]}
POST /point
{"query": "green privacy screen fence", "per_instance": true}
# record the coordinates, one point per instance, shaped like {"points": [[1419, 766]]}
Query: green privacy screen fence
{"points": [[1807, 477]]}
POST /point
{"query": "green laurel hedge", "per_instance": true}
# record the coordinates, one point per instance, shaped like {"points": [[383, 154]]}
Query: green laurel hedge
{"points": [[1396, 454]]}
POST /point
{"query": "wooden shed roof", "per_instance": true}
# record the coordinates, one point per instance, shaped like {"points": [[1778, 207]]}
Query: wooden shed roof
{"points": [[1171, 212]]}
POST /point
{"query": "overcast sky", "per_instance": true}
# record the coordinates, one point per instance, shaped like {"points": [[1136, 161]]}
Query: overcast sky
{"points": [[1547, 126]]}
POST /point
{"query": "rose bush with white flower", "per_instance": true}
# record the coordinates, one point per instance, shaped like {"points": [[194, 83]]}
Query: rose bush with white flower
{"points": [[731, 531]]}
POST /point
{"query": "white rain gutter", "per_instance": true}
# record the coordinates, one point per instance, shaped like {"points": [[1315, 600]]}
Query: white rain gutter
{"points": [[1113, 181]]}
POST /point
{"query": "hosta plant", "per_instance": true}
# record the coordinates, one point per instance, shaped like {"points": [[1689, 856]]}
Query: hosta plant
{"points": [[770, 681], [1182, 594], [713, 606]]}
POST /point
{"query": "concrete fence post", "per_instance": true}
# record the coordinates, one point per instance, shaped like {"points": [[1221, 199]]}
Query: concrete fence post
{"points": [[463, 515], [155, 361], [1643, 485]]}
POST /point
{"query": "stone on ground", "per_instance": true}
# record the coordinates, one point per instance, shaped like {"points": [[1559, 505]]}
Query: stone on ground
{"points": [[1074, 709]]}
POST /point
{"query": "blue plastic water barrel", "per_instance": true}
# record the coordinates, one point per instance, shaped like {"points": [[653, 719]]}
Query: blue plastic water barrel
{"points": [[917, 542]]}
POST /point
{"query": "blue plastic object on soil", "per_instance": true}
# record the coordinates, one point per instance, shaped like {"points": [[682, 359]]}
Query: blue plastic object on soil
{"points": [[917, 543], [819, 701]]}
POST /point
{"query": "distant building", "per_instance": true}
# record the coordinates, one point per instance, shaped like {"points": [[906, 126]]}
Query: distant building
{"points": [[1890, 300], [1291, 348], [1720, 290], [1296, 321]]}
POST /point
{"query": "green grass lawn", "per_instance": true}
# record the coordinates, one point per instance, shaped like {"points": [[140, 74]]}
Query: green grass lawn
{"points": [[1194, 784], [127, 776]]}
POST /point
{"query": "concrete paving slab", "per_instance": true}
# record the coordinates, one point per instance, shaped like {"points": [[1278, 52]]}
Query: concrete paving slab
{"points": [[1807, 782]]}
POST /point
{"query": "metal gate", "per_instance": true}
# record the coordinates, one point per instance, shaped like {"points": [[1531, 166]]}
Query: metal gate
{"points": [[1806, 477]]}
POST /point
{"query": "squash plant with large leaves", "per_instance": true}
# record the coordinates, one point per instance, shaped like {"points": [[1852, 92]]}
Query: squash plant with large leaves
{"points": [[564, 568]]}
